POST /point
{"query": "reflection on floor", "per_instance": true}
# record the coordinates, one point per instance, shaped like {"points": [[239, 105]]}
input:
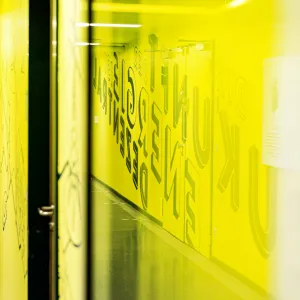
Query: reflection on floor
{"points": [[134, 259]]}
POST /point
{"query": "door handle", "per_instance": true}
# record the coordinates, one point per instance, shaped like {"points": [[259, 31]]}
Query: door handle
{"points": [[46, 211]]}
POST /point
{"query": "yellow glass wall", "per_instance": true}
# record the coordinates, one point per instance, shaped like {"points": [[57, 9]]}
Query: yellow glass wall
{"points": [[177, 122], [13, 148], [72, 148], [242, 195]]}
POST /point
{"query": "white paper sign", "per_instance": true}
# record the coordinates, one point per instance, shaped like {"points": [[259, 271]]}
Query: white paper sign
{"points": [[281, 116]]}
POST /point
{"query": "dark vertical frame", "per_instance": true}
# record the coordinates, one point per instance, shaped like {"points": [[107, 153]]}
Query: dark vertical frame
{"points": [[54, 144], [39, 149]]}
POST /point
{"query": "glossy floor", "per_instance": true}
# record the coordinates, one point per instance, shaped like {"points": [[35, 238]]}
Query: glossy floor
{"points": [[134, 259]]}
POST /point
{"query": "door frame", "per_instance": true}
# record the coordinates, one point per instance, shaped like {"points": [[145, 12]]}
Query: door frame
{"points": [[42, 154]]}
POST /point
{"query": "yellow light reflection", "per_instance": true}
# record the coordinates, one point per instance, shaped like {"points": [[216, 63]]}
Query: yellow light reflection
{"points": [[236, 3]]}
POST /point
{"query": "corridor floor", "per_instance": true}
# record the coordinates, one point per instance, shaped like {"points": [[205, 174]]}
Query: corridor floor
{"points": [[135, 259]]}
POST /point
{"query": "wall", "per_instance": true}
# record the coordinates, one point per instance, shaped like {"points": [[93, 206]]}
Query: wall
{"points": [[177, 127], [14, 148]]}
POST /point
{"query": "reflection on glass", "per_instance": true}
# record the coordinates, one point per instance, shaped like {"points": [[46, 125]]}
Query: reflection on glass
{"points": [[186, 108], [72, 149], [14, 29]]}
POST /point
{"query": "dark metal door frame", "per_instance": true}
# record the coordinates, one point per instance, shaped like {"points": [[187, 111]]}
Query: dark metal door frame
{"points": [[54, 146], [42, 163]]}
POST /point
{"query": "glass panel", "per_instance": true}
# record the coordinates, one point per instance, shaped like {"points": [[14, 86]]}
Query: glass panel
{"points": [[13, 148], [177, 131], [72, 147]]}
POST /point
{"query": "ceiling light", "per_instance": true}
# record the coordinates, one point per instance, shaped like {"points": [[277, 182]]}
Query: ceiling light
{"points": [[108, 25], [236, 3]]}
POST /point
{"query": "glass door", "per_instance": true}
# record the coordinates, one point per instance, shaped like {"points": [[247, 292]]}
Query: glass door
{"points": [[72, 147], [14, 30]]}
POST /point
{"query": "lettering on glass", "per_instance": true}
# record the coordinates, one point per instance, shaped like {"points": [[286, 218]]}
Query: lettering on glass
{"points": [[110, 96], [179, 97], [231, 169], [202, 153], [156, 156], [128, 158], [135, 164], [143, 118], [99, 89], [116, 78], [104, 104], [116, 121], [191, 196], [122, 136], [172, 172], [131, 101], [264, 238], [144, 185]]}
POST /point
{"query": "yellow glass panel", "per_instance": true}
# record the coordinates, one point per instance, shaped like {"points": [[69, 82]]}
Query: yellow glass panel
{"points": [[179, 89], [72, 148], [14, 148]]}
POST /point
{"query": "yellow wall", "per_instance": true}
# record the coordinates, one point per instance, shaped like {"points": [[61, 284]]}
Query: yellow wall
{"points": [[241, 191], [212, 144], [72, 149], [14, 148]]}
